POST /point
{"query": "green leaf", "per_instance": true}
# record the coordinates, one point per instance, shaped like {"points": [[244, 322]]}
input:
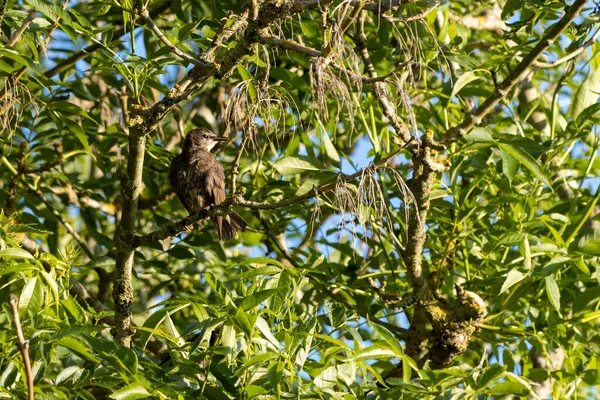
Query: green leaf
{"points": [[15, 56], [374, 352], [553, 293], [491, 374], [264, 328], [242, 320], [256, 298], [461, 82], [293, 165], [586, 94], [70, 373], [244, 72], [581, 221], [329, 147], [32, 297], [509, 387], [510, 165], [15, 253], [261, 260], [591, 248], [514, 276], [290, 78], [171, 329], [581, 265], [78, 131], [131, 392], [78, 347], [388, 336], [527, 160]]}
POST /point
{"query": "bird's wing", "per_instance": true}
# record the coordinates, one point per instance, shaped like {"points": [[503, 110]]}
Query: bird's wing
{"points": [[215, 187], [215, 184]]}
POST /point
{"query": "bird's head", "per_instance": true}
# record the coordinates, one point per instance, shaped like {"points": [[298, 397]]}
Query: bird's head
{"points": [[202, 139]]}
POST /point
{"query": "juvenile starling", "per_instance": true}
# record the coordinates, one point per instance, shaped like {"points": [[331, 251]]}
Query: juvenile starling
{"points": [[199, 180]]}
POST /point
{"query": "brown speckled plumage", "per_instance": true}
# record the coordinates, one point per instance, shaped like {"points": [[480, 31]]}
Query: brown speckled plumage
{"points": [[199, 180]]}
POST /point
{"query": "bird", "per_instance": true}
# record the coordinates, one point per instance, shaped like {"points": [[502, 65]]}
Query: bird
{"points": [[199, 180]]}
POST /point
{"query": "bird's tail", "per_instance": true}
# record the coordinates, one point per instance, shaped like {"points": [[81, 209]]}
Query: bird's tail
{"points": [[229, 225]]}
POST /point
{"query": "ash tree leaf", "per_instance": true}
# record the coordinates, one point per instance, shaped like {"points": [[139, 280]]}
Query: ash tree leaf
{"points": [[388, 337], [131, 392], [374, 352], [510, 165], [509, 387], [32, 297], [242, 320], [77, 347], [78, 131], [553, 292], [264, 328], [527, 160], [256, 298], [514, 276], [293, 165], [591, 248], [587, 94], [15, 253], [461, 82], [581, 265]]}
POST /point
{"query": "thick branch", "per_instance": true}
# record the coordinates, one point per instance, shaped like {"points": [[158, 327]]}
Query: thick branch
{"points": [[475, 117], [122, 288]]}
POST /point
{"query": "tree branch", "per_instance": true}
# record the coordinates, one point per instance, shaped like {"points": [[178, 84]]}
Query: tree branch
{"points": [[414, 17], [26, 22], [177, 227], [146, 15], [22, 344], [84, 53], [380, 88], [571, 55], [236, 164], [289, 45], [475, 117], [64, 222], [122, 287]]}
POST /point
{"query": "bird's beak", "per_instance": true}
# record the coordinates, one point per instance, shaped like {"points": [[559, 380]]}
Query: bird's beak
{"points": [[220, 138]]}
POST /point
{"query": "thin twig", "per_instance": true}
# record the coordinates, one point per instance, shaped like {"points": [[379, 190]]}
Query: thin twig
{"points": [[146, 15], [289, 45], [414, 17], [177, 227], [239, 23], [571, 55], [235, 166], [51, 31], [309, 51], [22, 344], [64, 222], [22, 29], [3, 10], [475, 117], [379, 88]]}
